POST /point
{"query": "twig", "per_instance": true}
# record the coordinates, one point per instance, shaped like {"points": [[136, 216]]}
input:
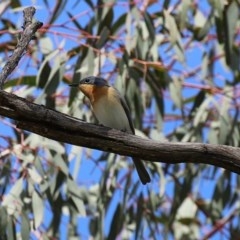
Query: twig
{"points": [[221, 224], [29, 30]]}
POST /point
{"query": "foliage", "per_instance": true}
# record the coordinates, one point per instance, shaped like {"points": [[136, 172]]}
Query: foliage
{"points": [[177, 64]]}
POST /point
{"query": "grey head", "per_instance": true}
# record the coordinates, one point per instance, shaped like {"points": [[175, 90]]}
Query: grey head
{"points": [[97, 81]]}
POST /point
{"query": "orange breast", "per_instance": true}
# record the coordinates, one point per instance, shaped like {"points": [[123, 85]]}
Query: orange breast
{"points": [[99, 92], [87, 89], [92, 92]]}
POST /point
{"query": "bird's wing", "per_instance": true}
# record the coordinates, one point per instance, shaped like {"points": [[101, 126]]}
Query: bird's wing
{"points": [[126, 109]]}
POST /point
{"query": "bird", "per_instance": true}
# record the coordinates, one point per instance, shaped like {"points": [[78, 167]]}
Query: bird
{"points": [[111, 110]]}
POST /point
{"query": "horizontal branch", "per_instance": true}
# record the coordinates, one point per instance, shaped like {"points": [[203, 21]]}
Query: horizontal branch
{"points": [[61, 127]]}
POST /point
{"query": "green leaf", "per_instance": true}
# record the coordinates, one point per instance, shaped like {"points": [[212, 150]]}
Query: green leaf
{"points": [[11, 231], [46, 45], [220, 30], [202, 113], [225, 120], [129, 30], [3, 221], [198, 101], [175, 88], [213, 134], [185, 216], [202, 29], [25, 226], [231, 15], [218, 201], [76, 78], [15, 3], [38, 209], [139, 215], [34, 175], [87, 66], [4, 6], [60, 163], [157, 81], [116, 223], [133, 96], [174, 35], [218, 7], [187, 210], [166, 4], [172, 27], [45, 69], [150, 26], [103, 38], [25, 80], [94, 226], [104, 18], [143, 44], [12, 199], [58, 10], [119, 23], [185, 6], [55, 75], [77, 154], [80, 205]]}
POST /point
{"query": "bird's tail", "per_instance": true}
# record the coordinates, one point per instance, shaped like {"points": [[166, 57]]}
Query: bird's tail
{"points": [[142, 172]]}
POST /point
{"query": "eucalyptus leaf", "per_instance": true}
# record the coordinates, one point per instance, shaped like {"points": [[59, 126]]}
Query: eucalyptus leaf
{"points": [[38, 208], [25, 226]]}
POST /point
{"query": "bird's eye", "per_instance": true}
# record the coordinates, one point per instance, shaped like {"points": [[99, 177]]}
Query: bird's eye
{"points": [[87, 80]]}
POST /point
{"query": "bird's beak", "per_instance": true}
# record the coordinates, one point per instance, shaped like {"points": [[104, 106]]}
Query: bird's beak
{"points": [[73, 84]]}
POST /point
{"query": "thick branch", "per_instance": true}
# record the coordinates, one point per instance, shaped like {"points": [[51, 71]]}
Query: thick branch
{"points": [[27, 35], [55, 125]]}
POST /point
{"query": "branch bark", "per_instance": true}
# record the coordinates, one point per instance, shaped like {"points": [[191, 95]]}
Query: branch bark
{"points": [[30, 28], [61, 127]]}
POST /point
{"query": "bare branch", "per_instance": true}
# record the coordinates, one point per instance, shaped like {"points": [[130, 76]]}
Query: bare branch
{"points": [[61, 127], [30, 28]]}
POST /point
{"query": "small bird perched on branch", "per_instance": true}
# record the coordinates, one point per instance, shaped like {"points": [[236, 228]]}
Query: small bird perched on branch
{"points": [[110, 110]]}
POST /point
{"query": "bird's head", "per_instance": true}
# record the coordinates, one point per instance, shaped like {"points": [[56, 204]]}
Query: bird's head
{"points": [[90, 86], [96, 81]]}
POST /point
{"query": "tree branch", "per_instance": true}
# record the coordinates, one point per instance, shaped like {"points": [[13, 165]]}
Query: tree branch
{"points": [[27, 35], [61, 127]]}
